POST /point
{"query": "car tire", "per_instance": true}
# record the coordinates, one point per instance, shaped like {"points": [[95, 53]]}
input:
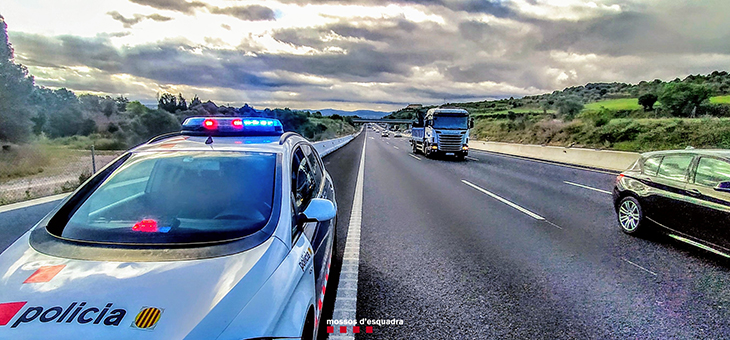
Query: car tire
{"points": [[308, 329], [630, 216]]}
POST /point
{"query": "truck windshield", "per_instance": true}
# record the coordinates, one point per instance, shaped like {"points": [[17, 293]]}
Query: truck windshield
{"points": [[178, 197], [450, 122]]}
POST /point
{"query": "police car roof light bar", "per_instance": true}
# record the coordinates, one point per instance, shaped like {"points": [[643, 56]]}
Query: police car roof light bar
{"points": [[232, 126]]}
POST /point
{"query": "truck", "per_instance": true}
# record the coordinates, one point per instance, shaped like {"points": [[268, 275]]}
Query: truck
{"points": [[442, 131]]}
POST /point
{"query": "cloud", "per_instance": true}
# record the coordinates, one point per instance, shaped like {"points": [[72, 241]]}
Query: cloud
{"points": [[127, 22], [137, 18], [246, 13], [182, 6], [348, 54]]}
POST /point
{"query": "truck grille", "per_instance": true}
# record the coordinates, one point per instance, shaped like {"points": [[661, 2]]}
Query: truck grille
{"points": [[450, 143]]}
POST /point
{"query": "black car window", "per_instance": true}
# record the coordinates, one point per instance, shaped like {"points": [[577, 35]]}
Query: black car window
{"points": [[314, 165], [675, 167], [178, 197], [712, 171], [303, 184], [651, 165]]}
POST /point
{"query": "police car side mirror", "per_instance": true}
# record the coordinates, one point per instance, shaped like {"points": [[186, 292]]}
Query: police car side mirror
{"points": [[723, 186], [318, 210]]}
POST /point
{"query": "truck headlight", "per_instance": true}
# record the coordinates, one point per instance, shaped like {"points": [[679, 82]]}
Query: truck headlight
{"points": [[465, 147], [434, 147]]}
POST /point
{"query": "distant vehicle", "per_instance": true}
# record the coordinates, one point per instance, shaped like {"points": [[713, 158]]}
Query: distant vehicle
{"points": [[384, 133], [224, 230], [397, 135], [685, 192], [442, 131]]}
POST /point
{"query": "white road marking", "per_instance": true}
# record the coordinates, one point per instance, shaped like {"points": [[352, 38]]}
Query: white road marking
{"points": [[471, 158], [523, 210], [640, 267], [387, 143], [396, 147], [371, 137], [416, 157], [587, 187], [36, 201], [346, 298]]}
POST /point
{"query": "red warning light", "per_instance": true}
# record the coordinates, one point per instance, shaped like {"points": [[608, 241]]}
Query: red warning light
{"points": [[146, 226], [237, 123], [210, 124]]}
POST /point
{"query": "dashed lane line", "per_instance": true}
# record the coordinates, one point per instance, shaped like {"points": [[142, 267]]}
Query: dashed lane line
{"points": [[505, 201], [587, 187], [416, 157]]}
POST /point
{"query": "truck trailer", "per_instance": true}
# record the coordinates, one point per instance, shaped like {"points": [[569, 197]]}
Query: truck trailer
{"points": [[442, 132]]}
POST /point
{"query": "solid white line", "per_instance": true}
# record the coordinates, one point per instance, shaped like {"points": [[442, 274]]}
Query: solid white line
{"points": [[587, 187], [640, 267], [20, 205], [416, 157], [525, 211], [345, 296]]}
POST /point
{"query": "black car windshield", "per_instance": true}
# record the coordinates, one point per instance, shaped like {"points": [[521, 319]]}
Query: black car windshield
{"points": [[450, 122], [178, 197]]}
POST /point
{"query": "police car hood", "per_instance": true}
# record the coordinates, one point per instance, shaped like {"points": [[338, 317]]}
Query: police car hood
{"points": [[43, 296]]}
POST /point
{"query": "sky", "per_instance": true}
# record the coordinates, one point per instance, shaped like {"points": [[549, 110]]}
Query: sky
{"points": [[361, 54]]}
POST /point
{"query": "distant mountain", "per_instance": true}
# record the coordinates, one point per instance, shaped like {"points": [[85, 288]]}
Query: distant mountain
{"points": [[359, 113]]}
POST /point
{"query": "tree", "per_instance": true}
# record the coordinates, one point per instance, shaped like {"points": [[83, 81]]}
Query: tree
{"points": [[121, 103], [569, 106], [648, 100], [136, 108], [16, 87], [181, 103], [683, 99], [167, 102]]}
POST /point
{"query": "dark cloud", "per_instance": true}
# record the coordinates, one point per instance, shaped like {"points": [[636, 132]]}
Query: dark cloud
{"points": [[172, 5], [127, 22], [246, 13], [158, 17], [137, 18], [494, 7]]}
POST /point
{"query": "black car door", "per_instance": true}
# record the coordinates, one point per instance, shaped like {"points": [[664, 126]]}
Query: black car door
{"points": [[710, 209], [666, 201]]}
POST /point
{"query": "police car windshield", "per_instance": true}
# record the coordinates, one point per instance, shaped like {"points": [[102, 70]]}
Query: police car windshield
{"points": [[178, 197]]}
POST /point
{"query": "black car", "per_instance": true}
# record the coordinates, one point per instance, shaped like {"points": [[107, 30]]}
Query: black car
{"points": [[685, 192]]}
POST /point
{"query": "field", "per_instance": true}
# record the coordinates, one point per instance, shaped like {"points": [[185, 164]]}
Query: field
{"points": [[720, 100], [36, 170], [615, 104]]}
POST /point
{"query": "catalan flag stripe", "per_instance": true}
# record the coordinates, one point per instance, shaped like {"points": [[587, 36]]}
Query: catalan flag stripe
{"points": [[147, 317]]}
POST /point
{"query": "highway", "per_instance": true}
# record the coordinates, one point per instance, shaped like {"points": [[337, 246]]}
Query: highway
{"points": [[497, 247]]}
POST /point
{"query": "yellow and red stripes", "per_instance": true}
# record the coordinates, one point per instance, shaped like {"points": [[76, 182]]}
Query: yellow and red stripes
{"points": [[147, 318]]}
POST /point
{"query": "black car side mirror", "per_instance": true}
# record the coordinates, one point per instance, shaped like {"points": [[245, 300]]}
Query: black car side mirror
{"points": [[471, 123], [723, 186]]}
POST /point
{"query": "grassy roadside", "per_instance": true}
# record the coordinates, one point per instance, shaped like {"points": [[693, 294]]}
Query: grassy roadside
{"points": [[624, 134]]}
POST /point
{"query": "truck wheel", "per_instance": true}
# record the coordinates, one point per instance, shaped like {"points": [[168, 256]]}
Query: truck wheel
{"points": [[415, 148], [426, 150]]}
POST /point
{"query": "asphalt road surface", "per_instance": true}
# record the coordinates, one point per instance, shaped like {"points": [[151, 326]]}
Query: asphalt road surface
{"points": [[498, 247]]}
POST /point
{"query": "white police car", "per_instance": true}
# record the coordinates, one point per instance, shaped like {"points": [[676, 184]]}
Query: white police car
{"points": [[224, 230]]}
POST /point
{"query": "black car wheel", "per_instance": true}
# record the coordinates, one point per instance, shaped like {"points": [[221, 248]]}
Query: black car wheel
{"points": [[630, 215]]}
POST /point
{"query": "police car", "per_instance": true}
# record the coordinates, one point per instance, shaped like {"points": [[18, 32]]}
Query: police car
{"points": [[224, 230]]}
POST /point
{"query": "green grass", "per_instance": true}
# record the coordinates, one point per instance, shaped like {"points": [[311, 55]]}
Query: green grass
{"points": [[615, 104], [720, 100]]}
